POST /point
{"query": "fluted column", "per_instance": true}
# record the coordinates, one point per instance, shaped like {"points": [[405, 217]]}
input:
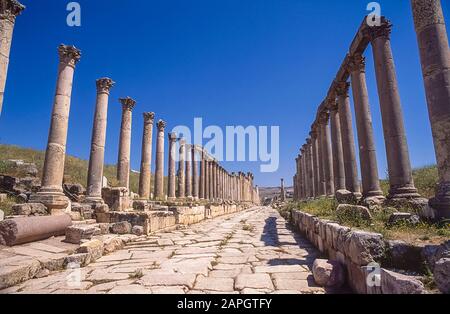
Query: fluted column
{"points": [[123, 164], [348, 140], [171, 171], [399, 165], [159, 167], [182, 169], [435, 59], [9, 10], [337, 150], [327, 153], [368, 158], [195, 178], [97, 156], [146, 158], [51, 194]]}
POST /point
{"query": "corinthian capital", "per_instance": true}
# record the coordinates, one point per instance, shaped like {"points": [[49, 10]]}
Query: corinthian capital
{"points": [[69, 55], [342, 89], [128, 103], [161, 125], [149, 116], [324, 117], [384, 30], [9, 9], [357, 63], [104, 85]]}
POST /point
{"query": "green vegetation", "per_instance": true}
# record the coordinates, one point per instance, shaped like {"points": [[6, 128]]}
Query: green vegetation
{"points": [[75, 169], [422, 232], [7, 205]]}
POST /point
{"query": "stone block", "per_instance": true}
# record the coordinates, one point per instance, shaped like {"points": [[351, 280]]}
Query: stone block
{"points": [[402, 255], [2, 215], [141, 205], [403, 218], [354, 212], [395, 283], [18, 272], [364, 247], [123, 227], [113, 244], [94, 248], [356, 277], [442, 275], [137, 230], [3, 197], [330, 274], [30, 209], [74, 234], [345, 197]]}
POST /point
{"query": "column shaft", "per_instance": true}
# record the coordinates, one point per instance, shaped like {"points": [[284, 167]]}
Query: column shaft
{"points": [[171, 164], [159, 167], [182, 170], [338, 155], [195, 179], [146, 158]]}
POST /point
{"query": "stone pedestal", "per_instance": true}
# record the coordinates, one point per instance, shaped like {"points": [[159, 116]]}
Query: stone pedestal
{"points": [[51, 194], [97, 156], [123, 164], [159, 168], [9, 10], [146, 158], [368, 158], [435, 59]]}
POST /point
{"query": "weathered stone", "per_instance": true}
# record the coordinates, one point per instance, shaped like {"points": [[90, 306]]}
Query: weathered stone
{"points": [[94, 248], [74, 189], [123, 227], [74, 234], [432, 253], [328, 273], [28, 229], [442, 275], [137, 230], [113, 245], [130, 289], [214, 284], [18, 272], [141, 205], [403, 255], [168, 280], [30, 209], [395, 283], [3, 197], [405, 218], [254, 281], [345, 197], [81, 259], [364, 247], [2, 215], [353, 212]]}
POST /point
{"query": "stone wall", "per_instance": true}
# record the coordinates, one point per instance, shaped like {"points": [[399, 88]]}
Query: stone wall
{"points": [[359, 250]]}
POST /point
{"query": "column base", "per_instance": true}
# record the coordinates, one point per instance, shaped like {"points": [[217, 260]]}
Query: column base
{"points": [[407, 192], [373, 202], [94, 200], [56, 202]]}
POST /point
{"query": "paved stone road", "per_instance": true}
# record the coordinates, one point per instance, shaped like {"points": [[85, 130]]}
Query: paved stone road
{"points": [[249, 252]]}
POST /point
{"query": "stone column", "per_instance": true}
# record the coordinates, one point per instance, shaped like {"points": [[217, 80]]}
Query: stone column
{"points": [[189, 176], [97, 156], [171, 172], [282, 191], [311, 172], [182, 169], [195, 179], [9, 10], [399, 165], [435, 59], [51, 194], [202, 177], [207, 173], [159, 161], [123, 164], [327, 153], [336, 144], [321, 163], [368, 158], [315, 157], [348, 140], [305, 172], [146, 158], [214, 180]]}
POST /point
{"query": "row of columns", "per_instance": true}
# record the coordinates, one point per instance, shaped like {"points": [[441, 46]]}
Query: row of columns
{"points": [[336, 167]]}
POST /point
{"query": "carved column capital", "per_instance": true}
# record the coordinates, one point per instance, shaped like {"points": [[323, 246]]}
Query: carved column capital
{"points": [[342, 89], [324, 117], [172, 137], [69, 55], [426, 13], [149, 117], [104, 85], [357, 63], [10, 9], [161, 125], [127, 103], [384, 30]]}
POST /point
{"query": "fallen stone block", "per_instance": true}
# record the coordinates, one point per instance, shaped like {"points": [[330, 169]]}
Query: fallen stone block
{"points": [[347, 211], [364, 248], [404, 256], [23, 230], [395, 283], [18, 271], [74, 234], [345, 197], [405, 218], [80, 259], [442, 275], [137, 230], [328, 274], [94, 248], [123, 227], [113, 244], [30, 209]]}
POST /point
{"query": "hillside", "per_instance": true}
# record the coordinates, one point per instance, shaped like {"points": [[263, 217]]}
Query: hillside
{"points": [[75, 168]]}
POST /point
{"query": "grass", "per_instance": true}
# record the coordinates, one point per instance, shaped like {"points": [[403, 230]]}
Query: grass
{"points": [[7, 205], [75, 170], [422, 233], [137, 274]]}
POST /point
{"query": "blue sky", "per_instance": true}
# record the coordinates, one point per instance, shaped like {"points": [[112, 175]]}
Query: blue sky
{"points": [[232, 62]]}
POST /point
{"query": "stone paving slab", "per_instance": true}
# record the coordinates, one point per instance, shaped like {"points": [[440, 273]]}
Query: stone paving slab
{"points": [[251, 252]]}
